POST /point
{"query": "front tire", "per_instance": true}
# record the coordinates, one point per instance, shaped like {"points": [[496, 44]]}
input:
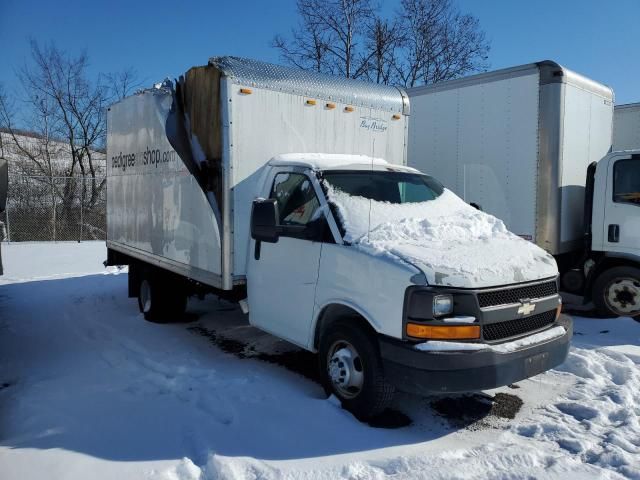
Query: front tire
{"points": [[351, 369], [616, 292], [158, 301]]}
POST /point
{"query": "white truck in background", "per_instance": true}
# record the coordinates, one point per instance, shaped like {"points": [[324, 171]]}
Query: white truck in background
{"points": [[216, 185], [626, 127], [532, 145]]}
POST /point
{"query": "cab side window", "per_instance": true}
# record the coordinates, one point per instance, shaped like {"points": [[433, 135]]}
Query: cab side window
{"points": [[297, 200], [626, 181]]}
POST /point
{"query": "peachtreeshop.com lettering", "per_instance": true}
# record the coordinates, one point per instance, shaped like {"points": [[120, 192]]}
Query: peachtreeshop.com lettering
{"points": [[122, 161]]}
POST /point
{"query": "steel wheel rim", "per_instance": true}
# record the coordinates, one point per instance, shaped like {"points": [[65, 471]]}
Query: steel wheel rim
{"points": [[345, 369], [622, 296], [145, 296]]}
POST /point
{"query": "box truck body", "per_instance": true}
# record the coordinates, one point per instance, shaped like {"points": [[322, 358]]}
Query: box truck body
{"points": [[234, 134], [626, 127], [532, 146], [288, 192], [517, 142]]}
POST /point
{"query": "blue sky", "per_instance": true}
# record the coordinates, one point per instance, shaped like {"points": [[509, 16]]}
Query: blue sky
{"points": [[164, 38]]}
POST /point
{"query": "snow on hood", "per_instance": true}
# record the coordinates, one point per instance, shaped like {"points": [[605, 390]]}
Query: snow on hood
{"points": [[451, 242]]}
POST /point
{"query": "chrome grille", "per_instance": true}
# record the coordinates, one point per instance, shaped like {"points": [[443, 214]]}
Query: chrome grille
{"points": [[514, 295]]}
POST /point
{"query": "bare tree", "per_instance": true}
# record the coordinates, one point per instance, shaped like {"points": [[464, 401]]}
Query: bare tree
{"points": [[37, 149], [328, 37], [3, 101], [63, 111], [383, 39], [308, 47], [439, 43], [427, 41], [123, 83]]}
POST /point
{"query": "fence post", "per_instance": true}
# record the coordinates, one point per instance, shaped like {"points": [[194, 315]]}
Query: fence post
{"points": [[54, 217], [6, 216], [82, 207]]}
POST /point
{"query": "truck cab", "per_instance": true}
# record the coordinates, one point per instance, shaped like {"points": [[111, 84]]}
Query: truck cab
{"points": [[396, 282], [612, 268]]}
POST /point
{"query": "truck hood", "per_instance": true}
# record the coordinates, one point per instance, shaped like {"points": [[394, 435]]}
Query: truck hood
{"points": [[452, 243]]}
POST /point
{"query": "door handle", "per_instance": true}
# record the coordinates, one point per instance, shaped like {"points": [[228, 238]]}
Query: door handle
{"points": [[614, 233]]}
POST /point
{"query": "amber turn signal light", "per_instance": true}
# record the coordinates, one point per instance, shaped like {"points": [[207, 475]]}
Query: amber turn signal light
{"points": [[246, 91], [443, 332]]}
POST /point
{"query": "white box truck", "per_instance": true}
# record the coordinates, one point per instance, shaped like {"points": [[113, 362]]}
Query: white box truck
{"points": [[287, 191], [531, 145], [626, 127]]}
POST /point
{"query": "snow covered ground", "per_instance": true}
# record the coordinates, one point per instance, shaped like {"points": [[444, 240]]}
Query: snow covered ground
{"points": [[88, 390]]}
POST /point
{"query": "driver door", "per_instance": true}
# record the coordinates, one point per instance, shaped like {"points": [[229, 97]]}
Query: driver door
{"points": [[282, 276]]}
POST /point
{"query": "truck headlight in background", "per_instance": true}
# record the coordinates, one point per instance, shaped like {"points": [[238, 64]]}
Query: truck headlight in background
{"points": [[442, 305]]}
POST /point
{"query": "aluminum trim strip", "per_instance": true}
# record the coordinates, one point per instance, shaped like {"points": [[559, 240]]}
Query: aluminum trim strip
{"points": [[312, 84]]}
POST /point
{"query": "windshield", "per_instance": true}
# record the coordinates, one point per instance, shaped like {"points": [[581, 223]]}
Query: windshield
{"points": [[385, 186]]}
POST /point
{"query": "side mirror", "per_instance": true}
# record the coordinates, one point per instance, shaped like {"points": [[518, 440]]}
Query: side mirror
{"points": [[264, 220]]}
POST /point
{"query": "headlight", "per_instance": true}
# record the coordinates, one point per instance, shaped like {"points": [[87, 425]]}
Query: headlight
{"points": [[442, 305]]}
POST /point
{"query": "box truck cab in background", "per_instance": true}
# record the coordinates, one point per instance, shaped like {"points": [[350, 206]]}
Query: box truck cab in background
{"points": [[626, 127], [531, 145], [267, 185]]}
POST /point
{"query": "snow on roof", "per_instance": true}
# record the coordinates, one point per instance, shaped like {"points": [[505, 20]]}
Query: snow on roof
{"points": [[325, 161]]}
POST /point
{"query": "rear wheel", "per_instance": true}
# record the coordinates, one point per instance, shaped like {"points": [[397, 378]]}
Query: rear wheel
{"points": [[351, 369], [616, 292], [158, 300]]}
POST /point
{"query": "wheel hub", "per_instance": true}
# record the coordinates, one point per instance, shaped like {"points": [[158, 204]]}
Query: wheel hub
{"points": [[145, 296], [623, 295], [345, 369]]}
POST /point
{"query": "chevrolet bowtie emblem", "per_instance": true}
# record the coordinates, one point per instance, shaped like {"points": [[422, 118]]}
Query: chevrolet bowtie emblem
{"points": [[526, 308]]}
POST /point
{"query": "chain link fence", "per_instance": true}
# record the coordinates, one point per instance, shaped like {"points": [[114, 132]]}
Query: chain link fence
{"points": [[55, 209]]}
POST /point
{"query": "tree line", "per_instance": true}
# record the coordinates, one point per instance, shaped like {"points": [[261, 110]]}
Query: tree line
{"points": [[63, 107], [422, 42], [53, 131]]}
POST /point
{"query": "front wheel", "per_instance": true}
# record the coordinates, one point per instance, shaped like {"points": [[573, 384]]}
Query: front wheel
{"points": [[351, 369], [616, 292]]}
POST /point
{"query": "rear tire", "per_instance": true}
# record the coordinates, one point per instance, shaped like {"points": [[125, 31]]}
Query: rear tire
{"points": [[158, 300], [351, 369], [616, 292]]}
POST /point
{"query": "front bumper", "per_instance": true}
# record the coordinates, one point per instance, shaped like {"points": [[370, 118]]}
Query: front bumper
{"points": [[420, 372]]}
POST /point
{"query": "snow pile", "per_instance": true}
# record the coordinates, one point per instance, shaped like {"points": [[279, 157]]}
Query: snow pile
{"points": [[27, 261], [88, 390], [451, 242], [597, 420]]}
